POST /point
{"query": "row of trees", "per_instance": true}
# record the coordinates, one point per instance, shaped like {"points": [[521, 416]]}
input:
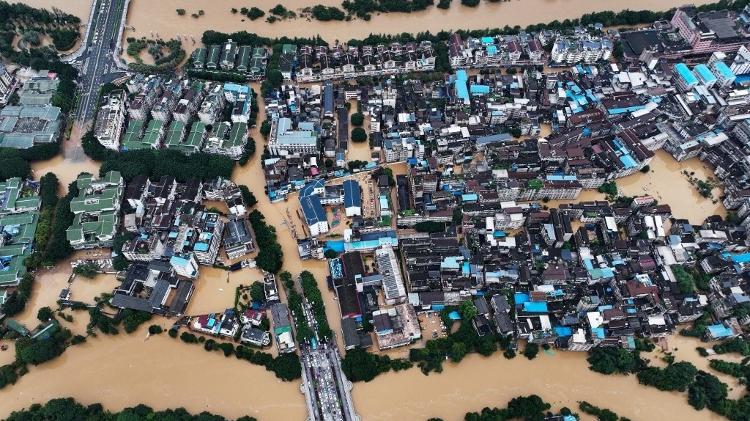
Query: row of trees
{"points": [[530, 407], [157, 163], [301, 328], [362, 366], [602, 414], [364, 9], [327, 13], [68, 409], [315, 298], [270, 255], [286, 367], [58, 247], [704, 390]]}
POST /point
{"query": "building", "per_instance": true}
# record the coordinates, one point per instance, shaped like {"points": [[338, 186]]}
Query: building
{"points": [[684, 78], [19, 216], [352, 198], [184, 265], [238, 238], [286, 140], [315, 215], [8, 84], [587, 50], [153, 288], [394, 289], [708, 32], [110, 120], [22, 127], [282, 328], [96, 210]]}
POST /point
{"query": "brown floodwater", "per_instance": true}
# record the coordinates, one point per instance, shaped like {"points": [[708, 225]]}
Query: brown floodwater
{"points": [[561, 379], [162, 372], [668, 185], [147, 17], [80, 8], [49, 282]]}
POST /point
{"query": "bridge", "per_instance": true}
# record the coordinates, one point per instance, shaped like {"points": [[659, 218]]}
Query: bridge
{"points": [[327, 391]]}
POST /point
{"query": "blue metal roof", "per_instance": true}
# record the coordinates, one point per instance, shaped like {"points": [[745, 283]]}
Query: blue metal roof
{"points": [[724, 70], [684, 72], [310, 187], [704, 73], [352, 194], [461, 90], [720, 331], [479, 89], [535, 306], [312, 209]]}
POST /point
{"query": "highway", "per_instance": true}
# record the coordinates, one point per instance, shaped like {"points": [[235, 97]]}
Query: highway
{"points": [[97, 63]]}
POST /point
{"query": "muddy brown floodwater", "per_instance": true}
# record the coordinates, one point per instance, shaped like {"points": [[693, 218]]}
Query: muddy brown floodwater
{"points": [[124, 370], [561, 379], [151, 17]]}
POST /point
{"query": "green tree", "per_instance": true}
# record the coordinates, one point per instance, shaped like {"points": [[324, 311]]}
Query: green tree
{"points": [[457, 352], [531, 350], [611, 360], [257, 292], [44, 314], [359, 135], [265, 128], [357, 119]]}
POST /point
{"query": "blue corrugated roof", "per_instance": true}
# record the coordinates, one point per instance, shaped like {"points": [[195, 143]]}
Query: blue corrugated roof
{"points": [[563, 331], [480, 89], [461, 90], [520, 297]]}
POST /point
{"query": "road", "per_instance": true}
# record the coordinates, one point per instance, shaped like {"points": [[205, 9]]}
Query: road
{"points": [[98, 64]]}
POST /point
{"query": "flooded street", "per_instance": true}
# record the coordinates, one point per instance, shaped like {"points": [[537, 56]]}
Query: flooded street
{"points": [[668, 185]]}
